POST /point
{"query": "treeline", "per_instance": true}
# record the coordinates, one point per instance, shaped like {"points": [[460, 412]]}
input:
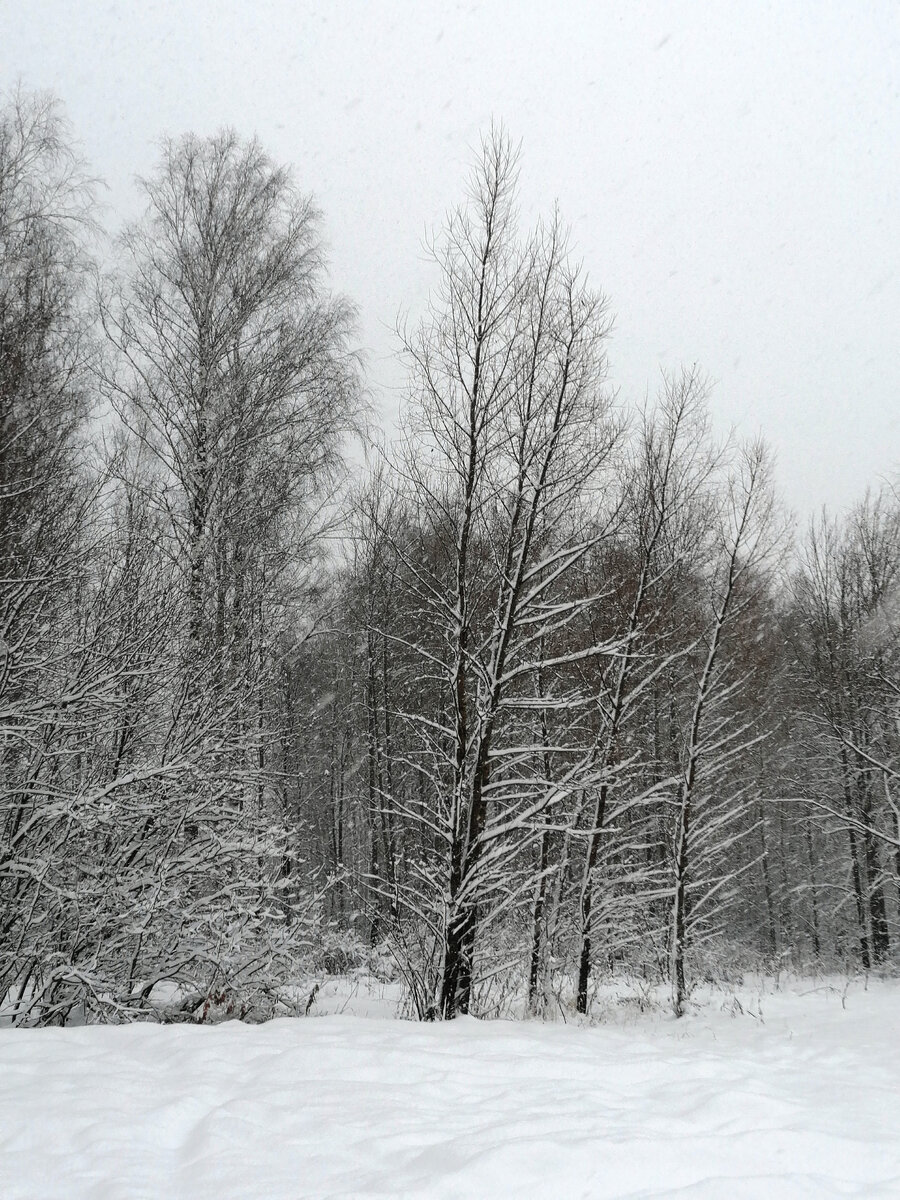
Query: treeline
{"points": [[546, 692]]}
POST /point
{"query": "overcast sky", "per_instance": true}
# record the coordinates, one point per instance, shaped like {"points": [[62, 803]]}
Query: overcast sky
{"points": [[731, 171]]}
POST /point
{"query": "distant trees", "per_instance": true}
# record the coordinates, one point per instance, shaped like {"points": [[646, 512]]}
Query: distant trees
{"points": [[543, 700], [45, 214], [847, 646], [48, 686], [151, 600], [662, 527], [745, 540]]}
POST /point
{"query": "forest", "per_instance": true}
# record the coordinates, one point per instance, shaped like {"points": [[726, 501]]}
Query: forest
{"points": [[541, 689]]}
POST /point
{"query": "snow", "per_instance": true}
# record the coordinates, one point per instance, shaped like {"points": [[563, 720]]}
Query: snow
{"points": [[770, 1094]]}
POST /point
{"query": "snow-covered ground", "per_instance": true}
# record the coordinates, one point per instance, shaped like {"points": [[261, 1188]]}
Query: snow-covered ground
{"points": [[791, 1093]]}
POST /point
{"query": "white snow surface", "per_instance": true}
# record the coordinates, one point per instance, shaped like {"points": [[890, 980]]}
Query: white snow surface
{"points": [[791, 1093]]}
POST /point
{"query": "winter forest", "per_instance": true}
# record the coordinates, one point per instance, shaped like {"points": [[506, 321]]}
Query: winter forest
{"points": [[540, 689]]}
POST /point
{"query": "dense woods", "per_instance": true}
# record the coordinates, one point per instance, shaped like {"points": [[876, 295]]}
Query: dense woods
{"points": [[542, 689]]}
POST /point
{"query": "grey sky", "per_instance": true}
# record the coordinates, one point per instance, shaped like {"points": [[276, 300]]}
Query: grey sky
{"points": [[732, 172]]}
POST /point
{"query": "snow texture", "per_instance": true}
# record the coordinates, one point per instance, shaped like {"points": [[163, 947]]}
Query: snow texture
{"points": [[791, 1094]]}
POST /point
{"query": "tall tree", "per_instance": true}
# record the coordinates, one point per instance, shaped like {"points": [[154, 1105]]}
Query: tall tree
{"points": [[746, 541], [510, 436], [45, 498], [231, 371]]}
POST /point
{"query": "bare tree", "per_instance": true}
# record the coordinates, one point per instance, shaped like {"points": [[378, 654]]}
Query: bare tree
{"points": [[45, 499], [230, 369], [846, 648], [665, 478], [234, 368], [508, 445], [747, 539]]}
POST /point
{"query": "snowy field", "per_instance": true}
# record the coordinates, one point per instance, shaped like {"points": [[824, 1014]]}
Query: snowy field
{"points": [[793, 1093]]}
